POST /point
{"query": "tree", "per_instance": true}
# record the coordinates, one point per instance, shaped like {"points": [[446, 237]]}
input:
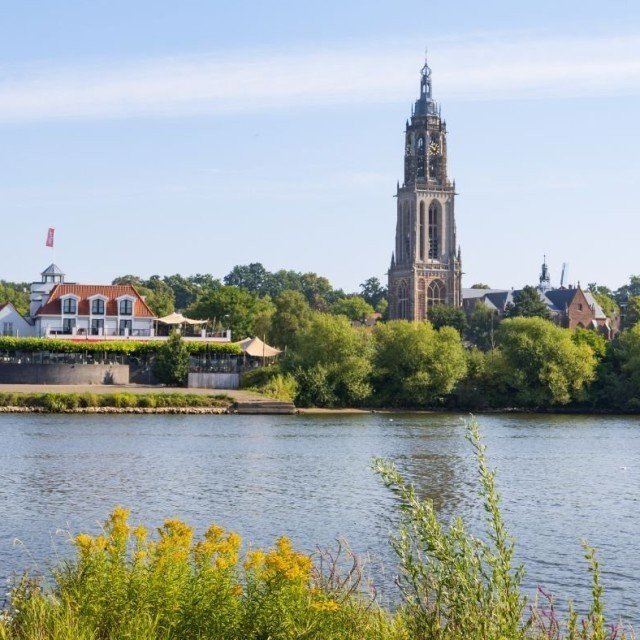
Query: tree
{"points": [[415, 365], [331, 362], [158, 295], [628, 290], [17, 294], [618, 384], [480, 285], [231, 307], [172, 363], [545, 365], [373, 292], [252, 277], [595, 340], [605, 298], [353, 307], [442, 315], [482, 326], [528, 304], [292, 314], [632, 312]]}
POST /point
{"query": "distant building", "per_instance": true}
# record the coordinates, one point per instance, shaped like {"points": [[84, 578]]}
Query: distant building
{"points": [[426, 265], [59, 308], [571, 307]]}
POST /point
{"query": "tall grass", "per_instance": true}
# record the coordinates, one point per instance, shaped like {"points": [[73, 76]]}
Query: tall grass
{"points": [[61, 402], [128, 583]]}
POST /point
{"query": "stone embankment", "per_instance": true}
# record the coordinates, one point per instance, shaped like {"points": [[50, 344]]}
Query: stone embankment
{"points": [[118, 410]]}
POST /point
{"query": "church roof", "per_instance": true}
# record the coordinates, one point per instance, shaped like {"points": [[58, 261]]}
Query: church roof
{"points": [[557, 300]]}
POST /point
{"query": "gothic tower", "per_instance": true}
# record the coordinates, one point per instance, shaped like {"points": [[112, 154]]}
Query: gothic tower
{"points": [[426, 264]]}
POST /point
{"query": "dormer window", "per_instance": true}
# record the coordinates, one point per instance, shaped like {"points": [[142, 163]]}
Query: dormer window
{"points": [[70, 305], [126, 307], [97, 307]]}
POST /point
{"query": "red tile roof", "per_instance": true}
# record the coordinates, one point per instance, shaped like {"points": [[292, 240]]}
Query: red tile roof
{"points": [[85, 291]]}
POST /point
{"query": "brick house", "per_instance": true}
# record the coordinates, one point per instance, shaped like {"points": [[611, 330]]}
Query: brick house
{"points": [[570, 307]]}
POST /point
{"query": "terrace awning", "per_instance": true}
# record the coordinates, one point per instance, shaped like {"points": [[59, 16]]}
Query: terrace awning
{"points": [[258, 349], [178, 318]]}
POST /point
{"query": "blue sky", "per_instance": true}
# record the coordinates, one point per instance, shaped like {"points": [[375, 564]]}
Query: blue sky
{"points": [[164, 137]]}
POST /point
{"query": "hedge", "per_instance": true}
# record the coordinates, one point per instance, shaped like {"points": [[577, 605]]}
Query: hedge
{"points": [[125, 347]]}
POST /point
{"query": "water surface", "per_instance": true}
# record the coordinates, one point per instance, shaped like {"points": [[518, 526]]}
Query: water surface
{"points": [[563, 478]]}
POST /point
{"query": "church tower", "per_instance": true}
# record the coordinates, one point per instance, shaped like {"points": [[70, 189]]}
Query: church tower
{"points": [[426, 264]]}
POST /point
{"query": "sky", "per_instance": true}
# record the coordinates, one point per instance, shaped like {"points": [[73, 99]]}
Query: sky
{"points": [[164, 137]]}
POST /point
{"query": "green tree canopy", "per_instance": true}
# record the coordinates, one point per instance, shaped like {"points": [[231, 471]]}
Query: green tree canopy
{"points": [[373, 292], [230, 307], [482, 326], [292, 314], [252, 277], [415, 365], [595, 340], [331, 362], [605, 298], [480, 285], [353, 307], [544, 364], [528, 304], [17, 293], [632, 312], [443, 315]]}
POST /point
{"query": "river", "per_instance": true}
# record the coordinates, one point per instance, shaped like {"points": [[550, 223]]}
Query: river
{"points": [[562, 478]]}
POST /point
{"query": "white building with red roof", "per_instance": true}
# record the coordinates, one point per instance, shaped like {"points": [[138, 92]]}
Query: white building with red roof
{"points": [[58, 308]]}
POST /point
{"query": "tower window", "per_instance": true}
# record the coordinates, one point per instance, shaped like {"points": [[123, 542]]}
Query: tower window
{"points": [[434, 230], [421, 232], [403, 300], [436, 294]]}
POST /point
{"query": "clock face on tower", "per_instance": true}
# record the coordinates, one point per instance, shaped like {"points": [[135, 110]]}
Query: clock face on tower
{"points": [[434, 147]]}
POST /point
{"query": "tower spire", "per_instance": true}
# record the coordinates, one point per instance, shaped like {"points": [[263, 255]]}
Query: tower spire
{"points": [[426, 105]]}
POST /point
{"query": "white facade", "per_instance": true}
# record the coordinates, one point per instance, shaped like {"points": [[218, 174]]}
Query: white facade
{"points": [[13, 324]]}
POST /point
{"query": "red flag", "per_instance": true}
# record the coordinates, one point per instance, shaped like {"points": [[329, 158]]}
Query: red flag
{"points": [[50, 234]]}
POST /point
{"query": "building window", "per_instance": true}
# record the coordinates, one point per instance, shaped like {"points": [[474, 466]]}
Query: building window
{"points": [[68, 325], [97, 307], [125, 327], [434, 230], [69, 305], [126, 307], [97, 326], [403, 300], [7, 328], [436, 294]]}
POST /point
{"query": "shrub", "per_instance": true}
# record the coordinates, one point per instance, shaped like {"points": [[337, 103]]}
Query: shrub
{"points": [[124, 584], [271, 382], [172, 362]]}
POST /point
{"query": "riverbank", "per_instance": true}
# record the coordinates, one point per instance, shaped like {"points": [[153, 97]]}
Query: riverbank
{"points": [[135, 399]]}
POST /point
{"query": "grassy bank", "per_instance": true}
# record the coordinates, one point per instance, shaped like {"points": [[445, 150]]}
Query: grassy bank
{"points": [[129, 583], [71, 402]]}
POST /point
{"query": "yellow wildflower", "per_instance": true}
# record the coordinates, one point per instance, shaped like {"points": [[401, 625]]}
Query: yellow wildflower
{"points": [[83, 542], [325, 606]]}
